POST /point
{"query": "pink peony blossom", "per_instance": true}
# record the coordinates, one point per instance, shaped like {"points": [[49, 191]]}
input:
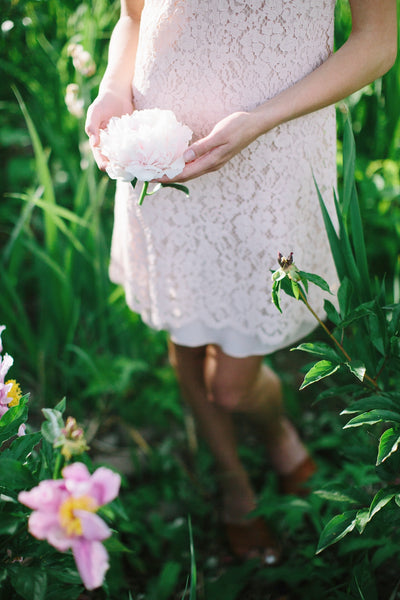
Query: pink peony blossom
{"points": [[10, 392], [64, 514], [2, 328], [145, 145], [6, 363]]}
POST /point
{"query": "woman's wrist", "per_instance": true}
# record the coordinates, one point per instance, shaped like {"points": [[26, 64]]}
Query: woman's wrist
{"points": [[264, 118]]}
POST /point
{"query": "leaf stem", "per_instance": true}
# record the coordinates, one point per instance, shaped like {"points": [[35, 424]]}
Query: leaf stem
{"points": [[338, 344], [57, 466], [143, 193]]}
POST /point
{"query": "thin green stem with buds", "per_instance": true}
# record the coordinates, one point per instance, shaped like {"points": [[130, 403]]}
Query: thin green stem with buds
{"points": [[338, 344]]}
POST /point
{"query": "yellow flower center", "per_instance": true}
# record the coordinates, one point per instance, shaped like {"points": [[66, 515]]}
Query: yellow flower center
{"points": [[14, 394], [69, 521]]}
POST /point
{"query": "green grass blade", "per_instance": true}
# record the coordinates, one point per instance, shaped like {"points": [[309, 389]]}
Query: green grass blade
{"points": [[193, 569], [360, 252], [349, 162], [333, 237], [42, 171]]}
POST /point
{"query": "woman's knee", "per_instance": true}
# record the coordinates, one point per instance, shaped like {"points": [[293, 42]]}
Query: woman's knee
{"points": [[226, 396]]}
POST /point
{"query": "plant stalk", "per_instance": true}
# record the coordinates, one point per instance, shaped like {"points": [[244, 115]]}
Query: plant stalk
{"points": [[338, 344]]}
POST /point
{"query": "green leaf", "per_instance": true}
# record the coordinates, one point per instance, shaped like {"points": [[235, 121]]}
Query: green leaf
{"points": [[336, 496], [164, 586], [321, 369], [9, 523], [66, 575], [371, 402], [319, 349], [364, 578], [30, 583], [14, 475], [334, 241], [296, 290], [276, 288], [383, 497], [336, 529], [13, 418], [344, 295], [316, 280], [362, 519], [339, 391], [43, 173], [388, 444], [357, 367], [22, 446], [349, 160], [374, 416], [61, 406], [177, 186], [331, 312], [51, 428], [193, 569], [114, 545]]}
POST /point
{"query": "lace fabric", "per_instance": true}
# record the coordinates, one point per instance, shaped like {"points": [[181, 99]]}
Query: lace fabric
{"points": [[199, 267]]}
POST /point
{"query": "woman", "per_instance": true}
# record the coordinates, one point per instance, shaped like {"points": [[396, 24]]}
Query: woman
{"points": [[256, 82]]}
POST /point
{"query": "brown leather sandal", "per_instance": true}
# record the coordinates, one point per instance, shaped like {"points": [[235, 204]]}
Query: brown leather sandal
{"points": [[294, 482], [253, 539]]}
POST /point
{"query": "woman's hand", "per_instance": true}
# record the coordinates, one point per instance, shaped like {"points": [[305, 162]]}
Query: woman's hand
{"points": [[228, 138], [108, 104]]}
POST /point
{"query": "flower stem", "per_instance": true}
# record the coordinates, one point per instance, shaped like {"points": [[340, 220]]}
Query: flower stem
{"points": [[57, 466], [143, 193], [338, 344]]}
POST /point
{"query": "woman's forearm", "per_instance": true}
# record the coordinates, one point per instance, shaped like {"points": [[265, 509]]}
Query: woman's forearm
{"points": [[361, 60], [121, 55]]}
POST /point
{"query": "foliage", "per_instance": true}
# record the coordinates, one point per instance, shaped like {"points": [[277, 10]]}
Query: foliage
{"points": [[32, 569], [365, 344], [72, 335]]}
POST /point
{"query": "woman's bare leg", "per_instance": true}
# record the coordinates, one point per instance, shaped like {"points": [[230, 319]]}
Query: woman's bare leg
{"points": [[247, 385], [215, 385], [217, 429]]}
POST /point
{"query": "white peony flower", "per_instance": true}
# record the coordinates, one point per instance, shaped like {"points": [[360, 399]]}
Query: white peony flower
{"points": [[81, 59], [74, 104], [145, 145]]}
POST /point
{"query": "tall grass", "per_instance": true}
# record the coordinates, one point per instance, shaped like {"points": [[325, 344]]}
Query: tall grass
{"points": [[69, 329]]}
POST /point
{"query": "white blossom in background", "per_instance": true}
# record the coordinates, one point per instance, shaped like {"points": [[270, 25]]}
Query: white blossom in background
{"points": [[145, 145], [82, 59], [74, 104], [6, 26], [26, 21], [86, 154]]}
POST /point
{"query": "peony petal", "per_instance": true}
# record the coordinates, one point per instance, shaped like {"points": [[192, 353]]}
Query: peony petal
{"points": [[104, 485], [93, 527], [47, 496], [2, 328], [45, 526], [77, 478], [5, 364], [92, 562], [145, 145], [77, 472], [5, 388], [21, 430], [57, 538]]}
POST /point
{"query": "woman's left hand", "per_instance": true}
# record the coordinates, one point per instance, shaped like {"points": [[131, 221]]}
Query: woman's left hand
{"points": [[228, 138]]}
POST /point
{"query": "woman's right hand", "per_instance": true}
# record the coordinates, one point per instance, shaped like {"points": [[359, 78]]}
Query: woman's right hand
{"points": [[109, 103]]}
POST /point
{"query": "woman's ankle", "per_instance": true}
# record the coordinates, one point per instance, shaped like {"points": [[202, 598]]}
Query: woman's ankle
{"points": [[287, 451]]}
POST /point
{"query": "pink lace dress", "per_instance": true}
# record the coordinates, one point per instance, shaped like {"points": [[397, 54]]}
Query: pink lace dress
{"points": [[199, 267]]}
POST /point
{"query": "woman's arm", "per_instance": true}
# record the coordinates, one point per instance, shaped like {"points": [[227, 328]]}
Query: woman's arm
{"points": [[115, 91], [368, 53]]}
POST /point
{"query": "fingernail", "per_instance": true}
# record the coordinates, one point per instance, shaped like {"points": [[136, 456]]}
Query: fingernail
{"points": [[189, 155]]}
